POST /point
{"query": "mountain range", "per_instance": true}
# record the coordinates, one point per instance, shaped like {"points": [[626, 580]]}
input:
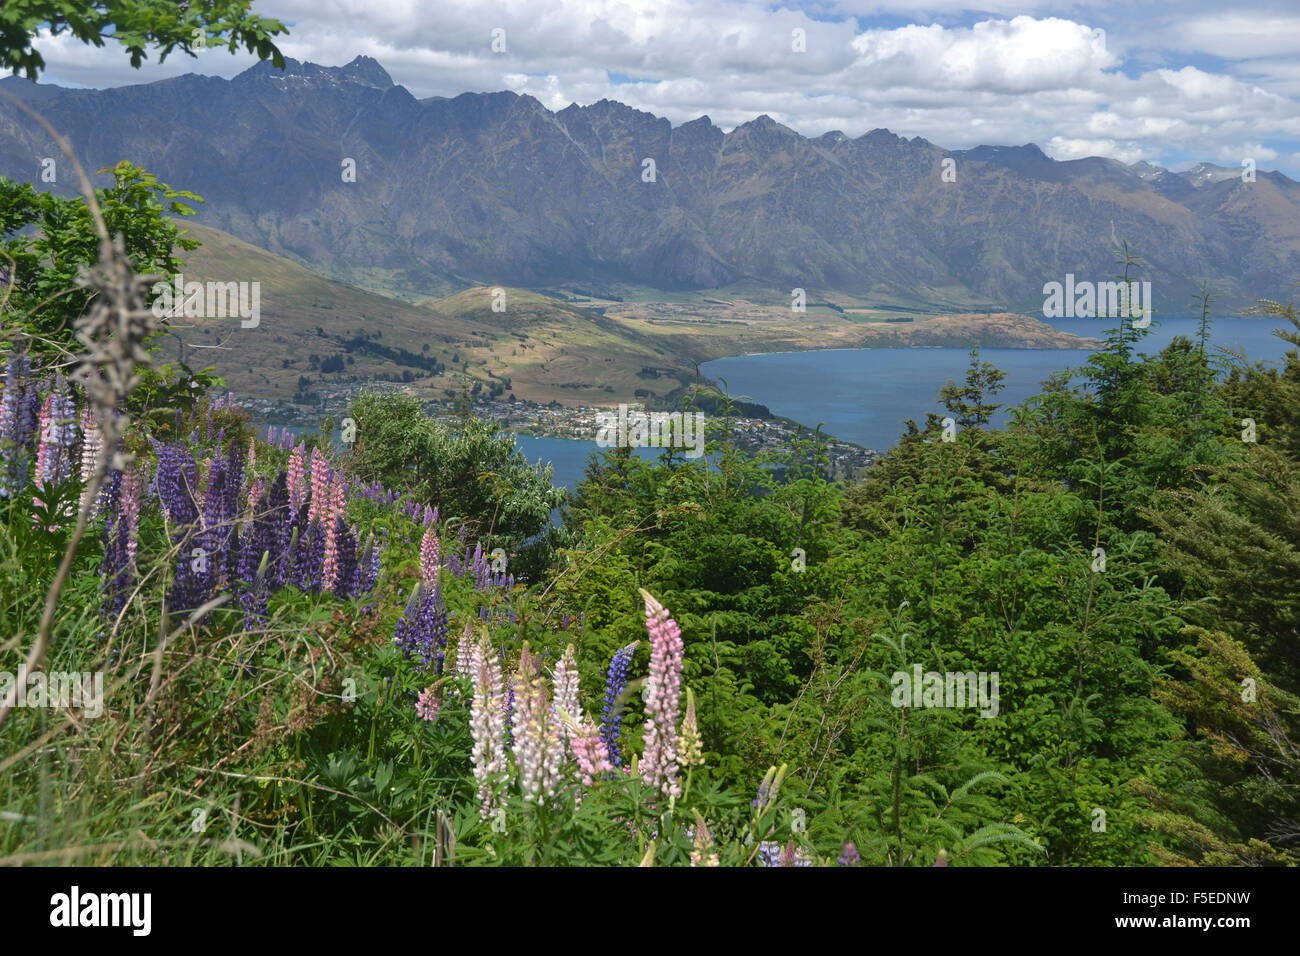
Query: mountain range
{"points": [[495, 189]]}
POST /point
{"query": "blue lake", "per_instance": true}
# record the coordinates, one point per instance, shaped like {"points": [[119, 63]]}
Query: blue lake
{"points": [[863, 395]]}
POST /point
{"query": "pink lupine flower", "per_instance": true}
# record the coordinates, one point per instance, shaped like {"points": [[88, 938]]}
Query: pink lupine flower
{"points": [[335, 507], [320, 485], [662, 696], [428, 703], [297, 482], [488, 728], [429, 555], [589, 750], [58, 435], [252, 458], [539, 751], [129, 500], [255, 489]]}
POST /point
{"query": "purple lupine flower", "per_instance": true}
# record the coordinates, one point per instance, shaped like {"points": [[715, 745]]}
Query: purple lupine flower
{"points": [[115, 569], [366, 575], [850, 856], [281, 527], [480, 566], [176, 482], [422, 628], [309, 558], [345, 546], [17, 424], [769, 853], [611, 718]]}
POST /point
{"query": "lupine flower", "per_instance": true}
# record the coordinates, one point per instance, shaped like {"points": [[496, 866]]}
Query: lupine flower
{"points": [[58, 436], [795, 855], [662, 697], [566, 687], [368, 563], [611, 720], [588, 749], [479, 566], [91, 442], [539, 751], [129, 505], [703, 853], [690, 747], [426, 707], [175, 482], [850, 856], [465, 647], [429, 555], [309, 558], [115, 568], [769, 853], [17, 427], [422, 629], [280, 524], [488, 728], [218, 524], [345, 547], [297, 480], [321, 475], [429, 517], [334, 510]]}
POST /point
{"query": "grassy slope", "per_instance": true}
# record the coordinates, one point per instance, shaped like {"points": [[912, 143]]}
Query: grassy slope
{"points": [[546, 349]]}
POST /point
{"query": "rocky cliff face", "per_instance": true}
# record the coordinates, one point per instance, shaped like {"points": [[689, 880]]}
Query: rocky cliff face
{"points": [[494, 188]]}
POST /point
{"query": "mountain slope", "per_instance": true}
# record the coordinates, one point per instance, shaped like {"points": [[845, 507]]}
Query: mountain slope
{"points": [[494, 189]]}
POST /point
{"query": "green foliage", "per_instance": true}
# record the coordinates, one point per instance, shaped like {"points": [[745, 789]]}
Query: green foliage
{"points": [[471, 471], [138, 25]]}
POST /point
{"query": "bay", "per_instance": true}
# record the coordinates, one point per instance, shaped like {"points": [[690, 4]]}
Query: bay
{"points": [[864, 395]]}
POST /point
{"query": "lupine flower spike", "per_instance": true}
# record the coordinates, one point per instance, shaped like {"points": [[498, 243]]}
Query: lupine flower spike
{"points": [[662, 697]]}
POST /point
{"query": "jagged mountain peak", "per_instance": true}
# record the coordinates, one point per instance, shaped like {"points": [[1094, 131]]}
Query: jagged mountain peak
{"points": [[361, 71]]}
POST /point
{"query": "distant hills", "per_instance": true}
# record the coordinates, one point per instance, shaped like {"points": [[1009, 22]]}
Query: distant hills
{"points": [[493, 189], [319, 339]]}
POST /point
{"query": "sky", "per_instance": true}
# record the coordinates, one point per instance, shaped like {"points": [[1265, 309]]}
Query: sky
{"points": [[1168, 83]]}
